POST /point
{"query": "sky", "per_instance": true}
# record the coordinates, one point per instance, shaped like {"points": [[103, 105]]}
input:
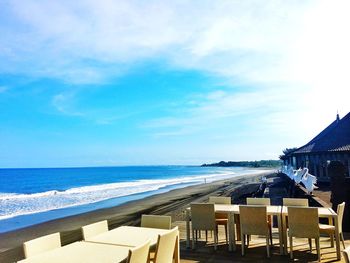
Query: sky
{"points": [[104, 83]]}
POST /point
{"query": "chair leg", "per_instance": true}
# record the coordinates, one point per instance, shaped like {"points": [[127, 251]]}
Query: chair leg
{"points": [[216, 238], [331, 237], [193, 238], [267, 246], [291, 246], [206, 236], [342, 239], [310, 244], [248, 239], [271, 236], [226, 234], [318, 249], [242, 243]]}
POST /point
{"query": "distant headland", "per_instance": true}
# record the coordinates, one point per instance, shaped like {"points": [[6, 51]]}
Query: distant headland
{"points": [[255, 164]]}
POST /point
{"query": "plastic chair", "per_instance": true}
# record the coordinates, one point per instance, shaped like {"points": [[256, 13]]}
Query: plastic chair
{"points": [[254, 222], [41, 244], [262, 201], [203, 218], [94, 229], [156, 221], [303, 223], [139, 254], [330, 229], [296, 202], [166, 246], [346, 254], [221, 218]]}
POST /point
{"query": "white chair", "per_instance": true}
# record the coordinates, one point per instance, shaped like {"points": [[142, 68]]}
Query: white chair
{"points": [[167, 246], [94, 229], [253, 220], [303, 202], [139, 254], [262, 201], [346, 254], [330, 229], [203, 218], [303, 223], [41, 244], [156, 221], [221, 218]]}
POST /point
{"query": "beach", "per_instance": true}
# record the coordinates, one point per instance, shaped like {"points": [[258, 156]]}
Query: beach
{"points": [[170, 203]]}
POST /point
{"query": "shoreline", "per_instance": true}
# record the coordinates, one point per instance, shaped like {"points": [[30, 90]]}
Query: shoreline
{"points": [[170, 203]]}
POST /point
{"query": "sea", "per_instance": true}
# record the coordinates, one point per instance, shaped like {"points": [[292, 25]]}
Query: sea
{"points": [[36, 195]]}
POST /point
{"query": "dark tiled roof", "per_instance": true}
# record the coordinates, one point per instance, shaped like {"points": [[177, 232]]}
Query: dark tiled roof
{"points": [[336, 137]]}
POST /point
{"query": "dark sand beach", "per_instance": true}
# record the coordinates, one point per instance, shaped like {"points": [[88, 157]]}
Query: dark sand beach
{"points": [[171, 203]]}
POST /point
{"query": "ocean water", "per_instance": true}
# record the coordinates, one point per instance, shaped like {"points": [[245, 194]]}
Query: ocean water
{"points": [[31, 196]]}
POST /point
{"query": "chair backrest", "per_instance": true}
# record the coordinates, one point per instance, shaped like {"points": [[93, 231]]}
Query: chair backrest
{"points": [[41, 244], [258, 201], [156, 221], [94, 229], [166, 246], [220, 200], [253, 220], [346, 253], [139, 254], [203, 216], [296, 202], [340, 212], [303, 221]]}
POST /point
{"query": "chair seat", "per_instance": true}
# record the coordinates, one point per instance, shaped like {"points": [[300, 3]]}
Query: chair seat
{"points": [[326, 228]]}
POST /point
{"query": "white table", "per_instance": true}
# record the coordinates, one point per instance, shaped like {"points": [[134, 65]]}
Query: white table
{"points": [[323, 212], [82, 251], [232, 210], [130, 236]]}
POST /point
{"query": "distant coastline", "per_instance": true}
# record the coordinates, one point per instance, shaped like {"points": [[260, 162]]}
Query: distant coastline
{"points": [[255, 164]]}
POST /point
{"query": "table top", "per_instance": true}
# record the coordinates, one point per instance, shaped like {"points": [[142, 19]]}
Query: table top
{"points": [[322, 211], [221, 208], [130, 236], [87, 252]]}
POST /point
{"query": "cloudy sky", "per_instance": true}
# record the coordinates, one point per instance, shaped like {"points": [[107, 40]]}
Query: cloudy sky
{"points": [[92, 83]]}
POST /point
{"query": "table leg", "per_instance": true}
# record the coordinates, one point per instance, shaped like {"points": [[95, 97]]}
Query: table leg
{"points": [[330, 222], [280, 233], [188, 229], [337, 238], [231, 232], [284, 234]]}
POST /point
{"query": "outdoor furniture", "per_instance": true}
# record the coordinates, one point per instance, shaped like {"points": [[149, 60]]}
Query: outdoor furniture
{"points": [[296, 202], [94, 229], [82, 251], [131, 236], [166, 246], [253, 220], [346, 253], [330, 229], [41, 244], [203, 218], [303, 223], [262, 201], [221, 218], [139, 254], [233, 210], [323, 212], [156, 221]]}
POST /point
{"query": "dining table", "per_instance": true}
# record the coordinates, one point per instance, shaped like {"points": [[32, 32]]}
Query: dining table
{"points": [[231, 211]]}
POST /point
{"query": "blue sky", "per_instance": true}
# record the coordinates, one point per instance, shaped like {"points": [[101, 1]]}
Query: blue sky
{"points": [[86, 83]]}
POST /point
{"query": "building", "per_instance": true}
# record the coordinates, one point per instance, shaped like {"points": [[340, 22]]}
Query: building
{"points": [[332, 144]]}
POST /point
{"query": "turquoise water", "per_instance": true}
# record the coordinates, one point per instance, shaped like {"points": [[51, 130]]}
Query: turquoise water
{"points": [[31, 196]]}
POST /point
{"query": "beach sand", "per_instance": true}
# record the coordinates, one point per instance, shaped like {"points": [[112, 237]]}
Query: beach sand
{"points": [[172, 203]]}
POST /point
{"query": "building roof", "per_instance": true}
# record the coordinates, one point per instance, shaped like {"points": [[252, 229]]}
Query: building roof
{"points": [[334, 138]]}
